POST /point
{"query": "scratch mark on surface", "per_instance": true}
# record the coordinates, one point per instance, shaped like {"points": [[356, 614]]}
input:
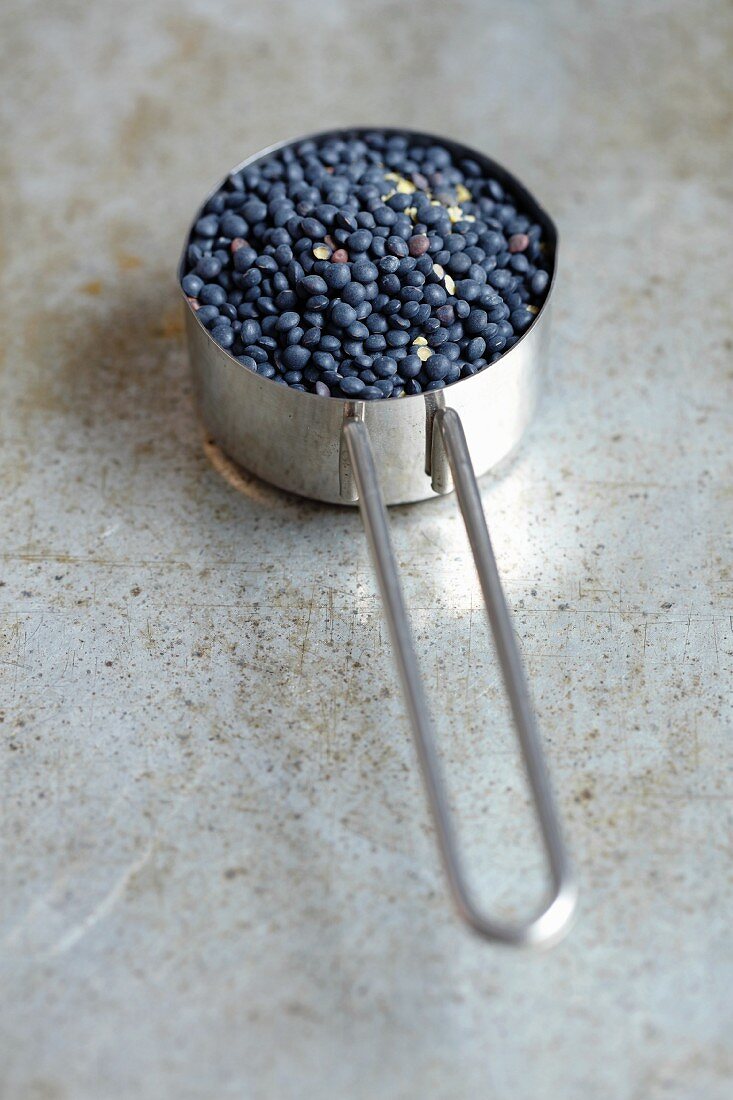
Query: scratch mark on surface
{"points": [[304, 644], [715, 643], [468, 654], [330, 614], [687, 636], [17, 657], [104, 908], [92, 698]]}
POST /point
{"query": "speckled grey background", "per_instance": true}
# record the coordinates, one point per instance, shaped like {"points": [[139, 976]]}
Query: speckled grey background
{"points": [[218, 878]]}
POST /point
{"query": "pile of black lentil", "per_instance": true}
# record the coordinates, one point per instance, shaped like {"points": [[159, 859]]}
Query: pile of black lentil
{"points": [[365, 266]]}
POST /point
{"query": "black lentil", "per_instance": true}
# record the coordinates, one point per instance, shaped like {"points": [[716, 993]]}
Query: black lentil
{"points": [[192, 284], [365, 266]]}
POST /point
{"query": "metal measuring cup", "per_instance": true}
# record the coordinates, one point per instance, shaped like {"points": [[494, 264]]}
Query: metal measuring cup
{"points": [[330, 449]]}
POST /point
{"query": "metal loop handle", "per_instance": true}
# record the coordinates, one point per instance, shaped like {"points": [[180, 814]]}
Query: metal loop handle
{"points": [[551, 923]]}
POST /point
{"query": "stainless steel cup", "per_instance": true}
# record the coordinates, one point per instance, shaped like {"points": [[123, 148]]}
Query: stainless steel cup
{"points": [[397, 451]]}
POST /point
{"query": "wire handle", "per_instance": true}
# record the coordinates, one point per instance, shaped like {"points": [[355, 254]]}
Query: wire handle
{"points": [[551, 923]]}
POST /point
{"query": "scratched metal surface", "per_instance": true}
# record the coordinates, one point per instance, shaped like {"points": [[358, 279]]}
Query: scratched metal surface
{"points": [[218, 879]]}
